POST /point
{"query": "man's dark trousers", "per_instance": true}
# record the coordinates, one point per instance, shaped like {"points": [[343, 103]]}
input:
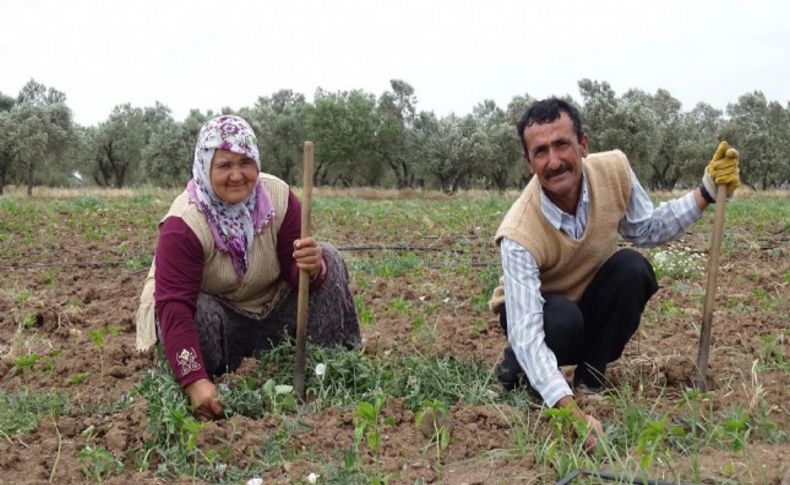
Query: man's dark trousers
{"points": [[594, 331]]}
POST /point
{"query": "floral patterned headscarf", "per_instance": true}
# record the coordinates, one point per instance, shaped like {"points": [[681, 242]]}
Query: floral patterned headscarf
{"points": [[233, 226]]}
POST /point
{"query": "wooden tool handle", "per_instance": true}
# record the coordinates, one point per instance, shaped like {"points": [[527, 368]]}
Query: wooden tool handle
{"points": [[302, 308], [710, 290]]}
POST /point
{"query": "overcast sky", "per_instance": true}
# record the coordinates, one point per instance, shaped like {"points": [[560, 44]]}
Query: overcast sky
{"points": [[455, 53]]}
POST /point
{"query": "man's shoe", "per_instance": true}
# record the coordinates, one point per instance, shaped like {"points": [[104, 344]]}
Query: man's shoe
{"points": [[509, 372]]}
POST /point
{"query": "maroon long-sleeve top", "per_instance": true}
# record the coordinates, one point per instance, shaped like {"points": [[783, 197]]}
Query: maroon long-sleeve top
{"points": [[178, 278]]}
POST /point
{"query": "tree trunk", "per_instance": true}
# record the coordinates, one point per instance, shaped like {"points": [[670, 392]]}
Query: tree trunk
{"points": [[30, 179]]}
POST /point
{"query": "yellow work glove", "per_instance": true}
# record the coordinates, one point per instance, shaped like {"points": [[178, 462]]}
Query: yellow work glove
{"points": [[722, 170]]}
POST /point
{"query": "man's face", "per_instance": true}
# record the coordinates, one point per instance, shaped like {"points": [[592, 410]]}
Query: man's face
{"points": [[555, 157]]}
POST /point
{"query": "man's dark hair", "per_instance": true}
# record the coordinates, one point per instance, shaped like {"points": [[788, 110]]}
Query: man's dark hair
{"points": [[546, 111]]}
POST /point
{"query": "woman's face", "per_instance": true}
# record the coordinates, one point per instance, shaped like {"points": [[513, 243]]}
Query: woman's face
{"points": [[233, 176]]}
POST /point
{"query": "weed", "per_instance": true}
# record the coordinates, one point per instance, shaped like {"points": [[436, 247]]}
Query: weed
{"points": [[364, 312], [25, 363], [652, 437], [564, 451], [21, 411], [22, 297], [78, 378], [735, 431], [99, 338], [279, 396], [433, 420], [369, 423], [140, 263], [676, 264], [30, 321], [772, 353], [399, 305], [98, 463]]}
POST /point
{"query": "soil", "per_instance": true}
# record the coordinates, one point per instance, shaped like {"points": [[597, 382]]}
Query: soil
{"points": [[660, 360]]}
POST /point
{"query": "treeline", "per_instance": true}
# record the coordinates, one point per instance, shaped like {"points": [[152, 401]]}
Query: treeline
{"points": [[364, 140]]}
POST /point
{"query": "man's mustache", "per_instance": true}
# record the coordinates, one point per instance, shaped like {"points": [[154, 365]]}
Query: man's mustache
{"points": [[561, 169]]}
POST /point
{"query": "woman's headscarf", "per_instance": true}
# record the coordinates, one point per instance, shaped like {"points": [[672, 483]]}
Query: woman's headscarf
{"points": [[233, 226]]}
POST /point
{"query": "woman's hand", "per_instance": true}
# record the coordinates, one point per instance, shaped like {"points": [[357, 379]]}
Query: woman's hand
{"points": [[308, 255], [205, 400]]}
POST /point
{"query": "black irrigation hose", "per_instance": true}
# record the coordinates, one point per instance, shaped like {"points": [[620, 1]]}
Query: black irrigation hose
{"points": [[614, 478], [381, 247]]}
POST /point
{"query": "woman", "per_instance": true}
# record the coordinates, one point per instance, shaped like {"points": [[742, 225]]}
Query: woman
{"points": [[227, 262]]}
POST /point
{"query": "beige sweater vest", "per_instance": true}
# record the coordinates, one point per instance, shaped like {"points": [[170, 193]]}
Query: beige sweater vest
{"points": [[261, 285], [568, 265]]}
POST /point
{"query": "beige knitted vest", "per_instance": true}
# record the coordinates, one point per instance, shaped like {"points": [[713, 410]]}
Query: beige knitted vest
{"points": [[260, 286], [568, 265]]}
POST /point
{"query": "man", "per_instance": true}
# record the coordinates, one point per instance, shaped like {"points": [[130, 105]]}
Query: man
{"points": [[570, 296]]}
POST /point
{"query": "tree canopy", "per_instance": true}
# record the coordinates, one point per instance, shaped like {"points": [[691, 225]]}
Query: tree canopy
{"points": [[386, 140]]}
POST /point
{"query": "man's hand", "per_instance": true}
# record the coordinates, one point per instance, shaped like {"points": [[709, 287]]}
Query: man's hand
{"points": [[722, 170], [205, 401], [308, 255], [594, 427]]}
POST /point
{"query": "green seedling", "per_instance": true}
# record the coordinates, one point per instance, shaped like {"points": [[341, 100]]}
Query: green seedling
{"points": [[363, 310], [25, 363], [772, 354], [568, 431], [22, 297], [79, 378], [99, 338], [369, 423], [479, 325], [30, 321], [399, 305], [98, 463], [433, 421], [279, 396], [736, 430], [652, 437]]}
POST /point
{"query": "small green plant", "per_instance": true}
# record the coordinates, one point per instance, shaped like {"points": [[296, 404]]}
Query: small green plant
{"points": [[676, 264], [279, 397], [22, 297], [30, 321], [48, 277], [369, 423], [98, 463], [433, 421], [764, 299], [563, 451], [772, 353], [363, 310], [25, 363], [399, 305], [141, 262], [99, 338], [78, 378], [655, 433], [49, 362], [736, 430], [21, 411]]}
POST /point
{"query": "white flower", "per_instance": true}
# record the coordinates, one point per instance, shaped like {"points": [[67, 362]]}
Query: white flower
{"points": [[311, 478], [320, 370], [255, 481]]}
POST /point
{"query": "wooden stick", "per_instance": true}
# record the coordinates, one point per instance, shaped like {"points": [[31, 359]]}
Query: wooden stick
{"points": [[302, 308], [710, 290]]}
